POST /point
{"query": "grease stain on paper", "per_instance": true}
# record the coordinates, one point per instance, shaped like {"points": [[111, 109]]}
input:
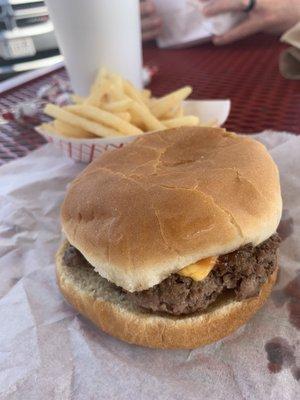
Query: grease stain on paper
{"points": [[290, 294], [281, 355], [286, 225]]}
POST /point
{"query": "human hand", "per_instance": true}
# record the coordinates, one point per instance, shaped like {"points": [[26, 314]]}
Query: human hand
{"points": [[150, 20], [266, 16]]}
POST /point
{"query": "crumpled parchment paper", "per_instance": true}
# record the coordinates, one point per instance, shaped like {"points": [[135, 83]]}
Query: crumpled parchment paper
{"points": [[183, 23], [48, 351]]}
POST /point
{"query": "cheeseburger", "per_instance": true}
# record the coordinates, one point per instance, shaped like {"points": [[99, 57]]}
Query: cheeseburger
{"points": [[171, 240]]}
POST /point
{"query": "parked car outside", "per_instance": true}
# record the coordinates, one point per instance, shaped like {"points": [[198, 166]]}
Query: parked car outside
{"points": [[27, 39]]}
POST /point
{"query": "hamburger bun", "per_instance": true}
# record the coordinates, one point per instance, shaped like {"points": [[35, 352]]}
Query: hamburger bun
{"points": [[167, 200], [96, 299]]}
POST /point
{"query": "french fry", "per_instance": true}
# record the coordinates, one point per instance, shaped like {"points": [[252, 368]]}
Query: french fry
{"points": [[63, 115], [48, 128], [93, 99], [77, 99], [115, 93], [101, 75], [161, 106], [117, 81], [105, 93], [144, 114], [71, 131], [146, 93], [179, 112], [117, 106], [124, 115], [137, 120], [97, 88], [172, 113], [104, 117], [146, 96], [57, 129], [188, 120], [133, 93]]}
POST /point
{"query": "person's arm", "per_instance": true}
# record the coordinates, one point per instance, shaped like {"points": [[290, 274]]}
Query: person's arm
{"points": [[266, 16], [150, 20]]}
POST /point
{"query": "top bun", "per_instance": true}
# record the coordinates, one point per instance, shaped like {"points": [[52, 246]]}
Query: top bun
{"points": [[171, 198]]}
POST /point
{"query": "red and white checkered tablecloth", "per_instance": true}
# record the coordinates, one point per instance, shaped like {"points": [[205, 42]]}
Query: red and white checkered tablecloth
{"points": [[245, 72]]}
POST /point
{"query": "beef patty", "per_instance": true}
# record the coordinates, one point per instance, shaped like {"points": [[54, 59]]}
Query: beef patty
{"points": [[242, 272]]}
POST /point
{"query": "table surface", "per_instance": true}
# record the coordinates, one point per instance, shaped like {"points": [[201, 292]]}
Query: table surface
{"points": [[246, 72]]}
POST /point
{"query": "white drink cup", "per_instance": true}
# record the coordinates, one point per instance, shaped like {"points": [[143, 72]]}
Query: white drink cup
{"points": [[98, 33]]}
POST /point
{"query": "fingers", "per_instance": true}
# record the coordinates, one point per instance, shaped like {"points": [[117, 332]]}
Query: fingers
{"points": [[151, 27], [220, 6], [248, 27], [150, 35], [151, 22], [147, 8]]}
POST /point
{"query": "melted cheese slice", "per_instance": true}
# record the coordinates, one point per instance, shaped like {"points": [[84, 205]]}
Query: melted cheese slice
{"points": [[199, 270]]}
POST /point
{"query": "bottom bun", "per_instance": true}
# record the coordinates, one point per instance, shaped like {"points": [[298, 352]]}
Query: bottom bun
{"points": [[95, 298]]}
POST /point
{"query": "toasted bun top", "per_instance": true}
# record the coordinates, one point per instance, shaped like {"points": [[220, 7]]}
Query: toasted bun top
{"points": [[171, 198]]}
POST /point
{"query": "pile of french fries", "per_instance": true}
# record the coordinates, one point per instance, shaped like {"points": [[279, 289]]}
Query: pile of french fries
{"points": [[115, 108]]}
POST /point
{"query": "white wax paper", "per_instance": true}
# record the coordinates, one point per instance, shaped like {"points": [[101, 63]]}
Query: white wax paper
{"points": [[183, 22], [48, 351]]}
